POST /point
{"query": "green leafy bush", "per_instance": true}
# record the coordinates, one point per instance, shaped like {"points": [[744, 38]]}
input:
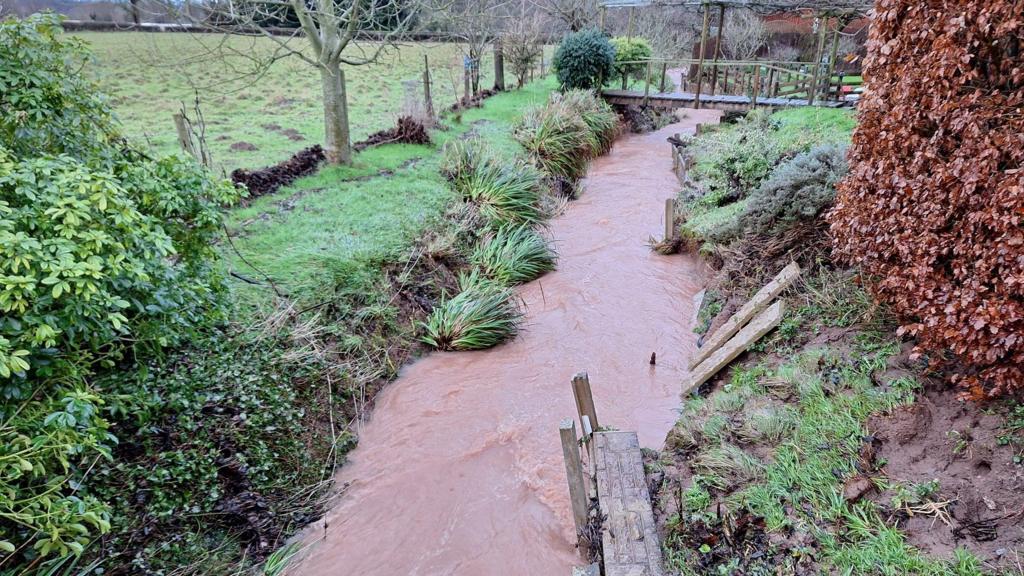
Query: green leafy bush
{"points": [[483, 314], [630, 50], [104, 256], [800, 189], [584, 60], [514, 254], [506, 191]]}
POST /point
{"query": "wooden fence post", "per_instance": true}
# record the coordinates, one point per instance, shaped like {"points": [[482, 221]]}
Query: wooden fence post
{"points": [[757, 86], [647, 85], [584, 402], [185, 135], [574, 474], [703, 46], [813, 89], [670, 218], [718, 47], [428, 101], [664, 69]]}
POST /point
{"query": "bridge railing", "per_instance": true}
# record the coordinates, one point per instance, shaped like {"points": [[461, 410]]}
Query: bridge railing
{"points": [[752, 78]]}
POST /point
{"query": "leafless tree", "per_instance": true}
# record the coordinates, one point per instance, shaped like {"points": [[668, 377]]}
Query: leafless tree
{"points": [[573, 14], [785, 52], [523, 43], [671, 31], [327, 38], [744, 33], [478, 24]]}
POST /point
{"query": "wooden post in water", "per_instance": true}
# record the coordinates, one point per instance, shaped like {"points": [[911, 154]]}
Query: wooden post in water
{"points": [[185, 135], [584, 402], [574, 474], [703, 47], [428, 101], [670, 219]]}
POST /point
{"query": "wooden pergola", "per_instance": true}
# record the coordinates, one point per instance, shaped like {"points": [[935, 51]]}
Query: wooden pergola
{"points": [[842, 11]]}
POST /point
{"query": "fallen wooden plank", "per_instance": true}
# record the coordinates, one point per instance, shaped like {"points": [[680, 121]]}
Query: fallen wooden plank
{"points": [[629, 536], [752, 332], [759, 302]]}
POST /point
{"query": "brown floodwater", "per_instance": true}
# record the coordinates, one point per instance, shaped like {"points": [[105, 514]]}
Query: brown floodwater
{"points": [[459, 470]]}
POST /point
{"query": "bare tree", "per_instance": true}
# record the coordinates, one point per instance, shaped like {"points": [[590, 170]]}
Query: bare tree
{"points": [[671, 31], [575, 15], [478, 24], [523, 43], [327, 38], [744, 34]]}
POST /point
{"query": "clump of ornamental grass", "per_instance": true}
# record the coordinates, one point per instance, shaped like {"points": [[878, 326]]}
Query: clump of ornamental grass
{"points": [[514, 255], [482, 315], [556, 139], [506, 191], [599, 117]]}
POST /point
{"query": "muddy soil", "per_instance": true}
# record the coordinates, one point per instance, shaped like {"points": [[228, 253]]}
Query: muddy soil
{"points": [[268, 180], [407, 131], [459, 470], [958, 443]]}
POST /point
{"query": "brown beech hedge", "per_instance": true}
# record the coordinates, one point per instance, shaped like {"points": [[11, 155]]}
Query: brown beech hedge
{"points": [[933, 207]]}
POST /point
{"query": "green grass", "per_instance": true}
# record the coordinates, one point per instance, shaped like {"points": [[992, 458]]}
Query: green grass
{"points": [[333, 230], [149, 76], [514, 255], [482, 315]]}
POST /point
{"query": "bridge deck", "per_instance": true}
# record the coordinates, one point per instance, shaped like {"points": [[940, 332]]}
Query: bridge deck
{"points": [[717, 101]]}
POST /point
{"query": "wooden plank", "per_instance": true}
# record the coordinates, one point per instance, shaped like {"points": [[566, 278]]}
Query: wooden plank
{"points": [[584, 400], [574, 474], [758, 327], [670, 218], [629, 536], [755, 305]]}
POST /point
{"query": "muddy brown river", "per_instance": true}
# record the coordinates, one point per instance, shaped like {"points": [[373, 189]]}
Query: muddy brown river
{"points": [[459, 470]]}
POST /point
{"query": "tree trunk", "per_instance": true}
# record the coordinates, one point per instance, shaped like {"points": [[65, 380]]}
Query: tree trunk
{"points": [[337, 147], [499, 66]]}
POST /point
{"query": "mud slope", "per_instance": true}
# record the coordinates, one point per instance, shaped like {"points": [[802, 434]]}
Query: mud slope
{"points": [[459, 470]]}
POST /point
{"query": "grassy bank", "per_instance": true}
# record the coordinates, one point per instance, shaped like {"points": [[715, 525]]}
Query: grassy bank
{"points": [[255, 115], [810, 454]]}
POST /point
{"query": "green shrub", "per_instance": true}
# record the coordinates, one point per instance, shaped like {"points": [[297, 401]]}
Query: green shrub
{"points": [[801, 189], [514, 255], [631, 50], [104, 256], [506, 191], [556, 139], [584, 60], [482, 315], [597, 114]]}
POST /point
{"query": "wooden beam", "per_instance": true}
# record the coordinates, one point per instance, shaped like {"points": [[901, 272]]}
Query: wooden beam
{"points": [[574, 474], [755, 305], [647, 85], [428, 101], [832, 62], [703, 47], [670, 218], [584, 401], [813, 89], [718, 47], [758, 327]]}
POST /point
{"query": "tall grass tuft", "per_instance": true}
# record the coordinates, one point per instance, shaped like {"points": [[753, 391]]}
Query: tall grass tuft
{"points": [[599, 117], [482, 315], [514, 255], [507, 191], [557, 140]]}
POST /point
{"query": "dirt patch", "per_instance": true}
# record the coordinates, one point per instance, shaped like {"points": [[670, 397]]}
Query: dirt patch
{"points": [[243, 147], [474, 101], [964, 447], [268, 180], [641, 119], [407, 131], [292, 134]]}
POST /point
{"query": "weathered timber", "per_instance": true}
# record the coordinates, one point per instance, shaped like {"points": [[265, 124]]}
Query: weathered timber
{"points": [[584, 400], [629, 535], [670, 218], [752, 332], [674, 100], [185, 135], [574, 474], [755, 305]]}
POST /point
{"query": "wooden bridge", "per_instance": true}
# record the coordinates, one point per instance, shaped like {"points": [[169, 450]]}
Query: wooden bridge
{"points": [[728, 102]]}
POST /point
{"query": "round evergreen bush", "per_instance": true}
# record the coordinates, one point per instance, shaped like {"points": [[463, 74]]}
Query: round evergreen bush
{"points": [[584, 59], [630, 50]]}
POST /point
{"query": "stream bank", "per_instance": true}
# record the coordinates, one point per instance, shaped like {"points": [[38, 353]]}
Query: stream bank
{"points": [[459, 470]]}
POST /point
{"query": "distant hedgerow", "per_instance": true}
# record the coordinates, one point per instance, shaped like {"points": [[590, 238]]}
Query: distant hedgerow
{"points": [[934, 204]]}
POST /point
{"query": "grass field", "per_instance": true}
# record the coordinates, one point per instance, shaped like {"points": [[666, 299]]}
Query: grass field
{"points": [[277, 110]]}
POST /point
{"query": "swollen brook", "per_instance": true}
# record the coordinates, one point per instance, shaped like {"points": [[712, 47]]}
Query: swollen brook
{"points": [[459, 468]]}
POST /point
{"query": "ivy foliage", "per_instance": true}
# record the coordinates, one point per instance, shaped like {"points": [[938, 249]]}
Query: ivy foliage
{"points": [[105, 255], [584, 60]]}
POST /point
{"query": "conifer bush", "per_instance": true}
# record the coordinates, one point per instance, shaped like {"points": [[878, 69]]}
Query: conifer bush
{"points": [[584, 60], [933, 208]]}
